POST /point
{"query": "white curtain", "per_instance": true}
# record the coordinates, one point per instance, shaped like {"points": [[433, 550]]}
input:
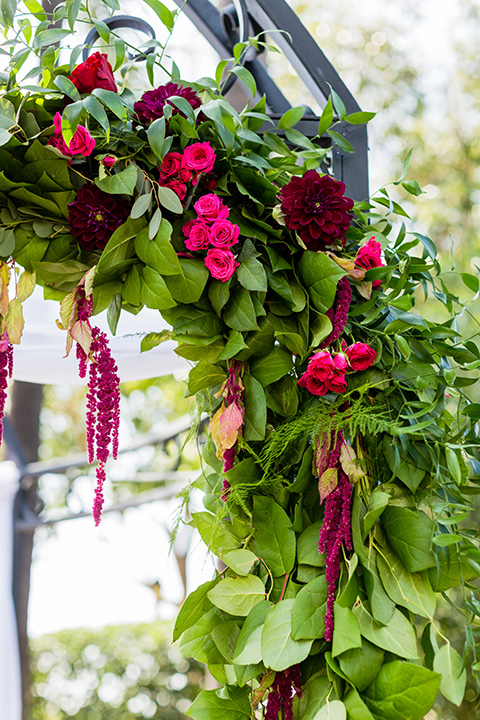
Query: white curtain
{"points": [[40, 356], [10, 682]]}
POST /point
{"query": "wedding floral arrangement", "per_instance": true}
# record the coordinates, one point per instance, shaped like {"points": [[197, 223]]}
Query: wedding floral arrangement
{"points": [[342, 450]]}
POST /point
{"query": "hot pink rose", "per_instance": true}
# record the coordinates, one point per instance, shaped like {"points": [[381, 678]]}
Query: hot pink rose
{"points": [[180, 189], [224, 234], [360, 356], [109, 161], [170, 164], [315, 386], [337, 384], [221, 263], [369, 256], [321, 365], [185, 175], [82, 142], [197, 235], [210, 207], [340, 362], [199, 157]]}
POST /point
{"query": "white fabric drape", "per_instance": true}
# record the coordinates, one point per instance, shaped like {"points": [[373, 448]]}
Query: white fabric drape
{"points": [[40, 356], [10, 682]]}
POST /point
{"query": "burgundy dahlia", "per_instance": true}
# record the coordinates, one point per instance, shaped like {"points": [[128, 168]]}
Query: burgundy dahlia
{"points": [[150, 106], [94, 216], [314, 205]]}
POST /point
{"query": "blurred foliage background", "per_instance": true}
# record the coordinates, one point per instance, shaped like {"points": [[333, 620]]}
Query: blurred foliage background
{"points": [[417, 66]]}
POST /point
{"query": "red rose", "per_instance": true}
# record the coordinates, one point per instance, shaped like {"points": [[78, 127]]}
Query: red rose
{"points": [[210, 208], [185, 175], [199, 157], [180, 189], [171, 165], [321, 365], [109, 161], [337, 384], [360, 356], [369, 256], [221, 263], [315, 386], [197, 235], [82, 142], [224, 234], [340, 362], [95, 72]]}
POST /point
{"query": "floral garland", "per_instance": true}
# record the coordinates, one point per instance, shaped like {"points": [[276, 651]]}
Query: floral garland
{"points": [[336, 465]]}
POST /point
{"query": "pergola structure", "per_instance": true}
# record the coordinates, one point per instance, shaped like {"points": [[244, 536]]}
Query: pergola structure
{"points": [[222, 28]]}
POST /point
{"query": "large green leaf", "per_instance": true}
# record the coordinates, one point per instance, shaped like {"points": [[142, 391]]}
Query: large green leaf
{"points": [[249, 646], [398, 636], [411, 590], [320, 276], [279, 649], [409, 534], [214, 533], [402, 691], [314, 696], [239, 312], [119, 248], [274, 538], [381, 605], [270, 368], [197, 641], [237, 596], [223, 704], [356, 708], [307, 548], [188, 286], [308, 616], [361, 665], [158, 253], [346, 632], [189, 320], [255, 409], [154, 291], [121, 183], [240, 561], [449, 664], [251, 275], [193, 608]]}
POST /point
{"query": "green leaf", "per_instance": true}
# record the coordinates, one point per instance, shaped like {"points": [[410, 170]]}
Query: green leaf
{"points": [[121, 183], [197, 640], [315, 693], [141, 205], [409, 534], [362, 665], [320, 275], [213, 533], [249, 648], [193, 608], [449, 664], [158, 253], [307, 550], [188, 287], [377, 504], [154, 291], [279, 650], [326, 118], [342, 142], [48, 37], [398, 636], [332, 710], [95, 108], [246, 77], [274, 539], [234, 345], [255, 409], [402, 690], [381, 605], [232, 704], [356, 708], [237, 596], [308, 615], [154, 339], [239, 313], [66, 86], [251, 275], [204, 375], [240, 561], [112, 101], [412, 187], [272, 367], [359, 118], [163, 12], [156, 135], [411, 590], [169, 200], [346, 633], [291, 117], [132, 286]]}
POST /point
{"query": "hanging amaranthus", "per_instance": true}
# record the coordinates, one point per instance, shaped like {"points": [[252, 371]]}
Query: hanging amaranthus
{"points": [[6, 369], [285, 685], [338, 313]]}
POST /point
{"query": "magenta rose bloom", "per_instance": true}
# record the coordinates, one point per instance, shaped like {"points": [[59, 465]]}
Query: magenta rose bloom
{"points": [[321, 365], [185, 175], [337, 384], [315, 207], [370, 256], [82, 142], [197, 235], [150, 106], [224, 234], [210, 208], [199, 157], [221, 263], [360, 356], [109, 161], [95, 72], [94, 215], [314, 385], [170, 164]]}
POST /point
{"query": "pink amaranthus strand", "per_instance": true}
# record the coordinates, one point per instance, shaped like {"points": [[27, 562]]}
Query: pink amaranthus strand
{"points": [[233, 394], [6, 369], [103, 397], [338, 313], [336, 530], [281, 693]]}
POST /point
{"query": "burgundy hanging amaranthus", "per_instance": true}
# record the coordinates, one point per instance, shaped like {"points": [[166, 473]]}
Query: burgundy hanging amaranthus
{"points": [[6, 369], [281, 693], [338, 313], [103, 396]]}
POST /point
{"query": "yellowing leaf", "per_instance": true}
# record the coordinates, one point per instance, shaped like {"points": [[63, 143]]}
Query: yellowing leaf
{"points": [[88, 280], [322, 453], [214, 427], [365, 290], [26, 285], [4, 280], [67, 310], [82, 333], [15, 321], [352, 270], [350, 465], [327, 483], [231, 421]]}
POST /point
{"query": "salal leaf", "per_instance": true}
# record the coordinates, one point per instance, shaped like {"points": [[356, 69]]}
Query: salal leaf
{"points": [[121, 183], [409, 534], [332, 710], [237, 596], [224, 704], [240, 561], [411, 590], [402, 690], [274, 538], [361, 665], [213, 532], [320, 276], [193, 608], [346, 633], [449, 664], [398, 636], [356, 708], [308, 616], [279, 649], [197, 641], [249, 646]]}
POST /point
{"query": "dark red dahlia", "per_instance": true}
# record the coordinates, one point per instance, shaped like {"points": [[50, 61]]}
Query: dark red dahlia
{"points": [[315, 207], [150, 105], [94, 215]]}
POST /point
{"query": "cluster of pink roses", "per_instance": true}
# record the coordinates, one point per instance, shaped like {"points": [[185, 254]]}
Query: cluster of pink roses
{"points": [[82, 142], [212, 231], [326, 371], [178, 169], [370, 256]]}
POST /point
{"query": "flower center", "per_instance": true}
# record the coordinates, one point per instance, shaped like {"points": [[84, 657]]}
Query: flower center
{"points": [[98, 217]]}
